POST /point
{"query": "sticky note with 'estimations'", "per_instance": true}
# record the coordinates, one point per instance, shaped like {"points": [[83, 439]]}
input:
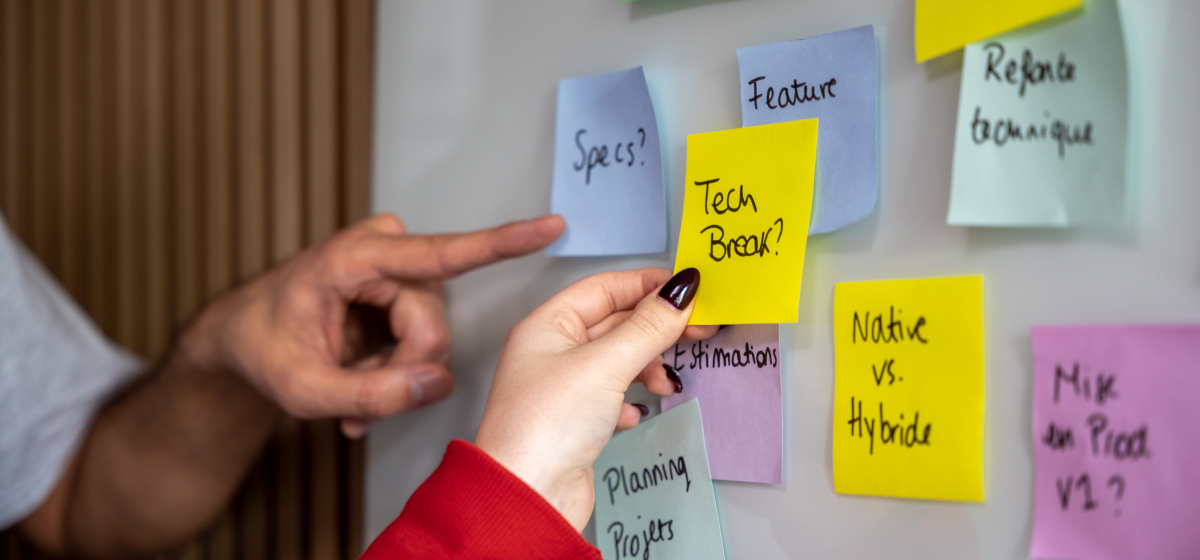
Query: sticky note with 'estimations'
{"points": [[748, 195], [946, 25], [908, 388]]}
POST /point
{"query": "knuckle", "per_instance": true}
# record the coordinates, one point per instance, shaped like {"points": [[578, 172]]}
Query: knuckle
{"points": [[650, 325], [371, 400]]}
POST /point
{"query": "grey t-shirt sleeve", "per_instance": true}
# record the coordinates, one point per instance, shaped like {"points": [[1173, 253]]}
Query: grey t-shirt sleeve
{"points": [[56, 371]]}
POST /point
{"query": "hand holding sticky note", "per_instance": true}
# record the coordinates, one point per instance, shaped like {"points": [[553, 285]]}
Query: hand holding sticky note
{"points": [[654, 497], [908, 389], [748, 195]]}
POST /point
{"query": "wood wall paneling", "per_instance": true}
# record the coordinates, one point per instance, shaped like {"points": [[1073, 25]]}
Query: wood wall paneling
{"points": [[153, 153]]}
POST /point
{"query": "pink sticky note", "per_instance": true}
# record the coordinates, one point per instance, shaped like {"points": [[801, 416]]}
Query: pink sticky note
{"points": [[735, 377], [1116, 442]]}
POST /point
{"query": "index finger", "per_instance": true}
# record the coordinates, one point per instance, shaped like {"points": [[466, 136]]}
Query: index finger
{"points": [[444, 256]]}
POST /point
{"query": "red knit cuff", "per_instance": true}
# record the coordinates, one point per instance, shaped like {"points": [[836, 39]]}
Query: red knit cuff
{"points": [[472, 507]]}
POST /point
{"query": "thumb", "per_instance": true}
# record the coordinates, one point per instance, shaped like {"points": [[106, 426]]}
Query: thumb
{"points": [[655, 324], [379, 392]]}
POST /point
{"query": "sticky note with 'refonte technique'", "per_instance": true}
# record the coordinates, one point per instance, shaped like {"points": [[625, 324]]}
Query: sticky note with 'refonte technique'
{"points": [[909, 388], [748, 195]]}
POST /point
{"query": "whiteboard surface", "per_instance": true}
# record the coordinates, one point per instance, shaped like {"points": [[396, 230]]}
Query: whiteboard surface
{"points": [[464, 128]]}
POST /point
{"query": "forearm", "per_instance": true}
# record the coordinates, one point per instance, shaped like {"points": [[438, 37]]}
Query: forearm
{"points": [[161, 460]]}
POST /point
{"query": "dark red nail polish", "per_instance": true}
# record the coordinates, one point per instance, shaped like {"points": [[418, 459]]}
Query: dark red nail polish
{"points": [[674, 377], [681, 288], [643, 409]]}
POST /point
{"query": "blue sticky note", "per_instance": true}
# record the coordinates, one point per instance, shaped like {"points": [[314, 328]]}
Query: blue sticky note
{"points": [[653, 491], [1042, 125], [835, 78], [608, 177]]}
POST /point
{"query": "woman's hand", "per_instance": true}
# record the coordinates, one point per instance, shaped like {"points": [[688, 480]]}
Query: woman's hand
{"points": [[559, 389]]}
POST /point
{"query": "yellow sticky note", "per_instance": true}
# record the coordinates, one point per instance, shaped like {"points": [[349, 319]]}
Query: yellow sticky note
{"points": [[748, 194], [908, 388], [947, 25]]}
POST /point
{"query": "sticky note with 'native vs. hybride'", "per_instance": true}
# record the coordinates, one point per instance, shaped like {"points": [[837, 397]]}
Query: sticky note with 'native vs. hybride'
{"points": [[734, 376], [942, 26], [748, 195], [835, 78], [908, 388], [654, 496], [608, 178], [1042, 125], [1114, 433]]}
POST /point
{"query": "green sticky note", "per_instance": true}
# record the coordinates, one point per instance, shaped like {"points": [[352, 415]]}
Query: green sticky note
{"points": [[1040, 139], [654, 495]]}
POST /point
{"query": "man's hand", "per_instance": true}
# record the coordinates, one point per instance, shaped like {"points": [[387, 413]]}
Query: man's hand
{"points": [[165, 456], [283, 332]]}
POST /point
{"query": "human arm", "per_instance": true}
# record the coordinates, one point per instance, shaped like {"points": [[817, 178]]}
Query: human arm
{"points": [[555, 401], [163, 458]]}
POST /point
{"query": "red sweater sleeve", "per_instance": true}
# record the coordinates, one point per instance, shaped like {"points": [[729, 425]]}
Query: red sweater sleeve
{"points": [[472, 507]]}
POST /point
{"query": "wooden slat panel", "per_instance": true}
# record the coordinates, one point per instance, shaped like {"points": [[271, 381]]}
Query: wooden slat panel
{"points": [[324, 539], [155, 211], [98, 174], [253, 237], [43, 132], [16, 111], [130, 185], [70, 134], [219, 262], [357, 48], [287, 129], [321, 157], [187, 209], [153, 153]]}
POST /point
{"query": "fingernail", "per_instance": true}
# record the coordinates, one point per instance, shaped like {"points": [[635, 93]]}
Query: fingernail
{"points": [[643, 409], [681, 288], [722, 327], [427, 387], [674, 377]]}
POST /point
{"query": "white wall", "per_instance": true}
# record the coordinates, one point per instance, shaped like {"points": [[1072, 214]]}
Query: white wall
{"points": [[463, 139]]}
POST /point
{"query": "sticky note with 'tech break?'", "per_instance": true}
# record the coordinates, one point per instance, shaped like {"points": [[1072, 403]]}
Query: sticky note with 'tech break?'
{"points": [[909, 388], [748, 196]]}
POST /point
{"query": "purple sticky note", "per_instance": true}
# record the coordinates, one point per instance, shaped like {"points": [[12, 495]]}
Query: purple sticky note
{"points": [[735, 377], [1115, 438]]}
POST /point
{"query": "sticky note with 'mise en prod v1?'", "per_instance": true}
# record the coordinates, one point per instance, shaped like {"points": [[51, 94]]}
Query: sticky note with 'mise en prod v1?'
{"points": [[654, 495], [909, 388], [1115, 441], [942, 26], [1042, 125], [834, 78], [746, 206], [734, 376], [608, 178]]}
